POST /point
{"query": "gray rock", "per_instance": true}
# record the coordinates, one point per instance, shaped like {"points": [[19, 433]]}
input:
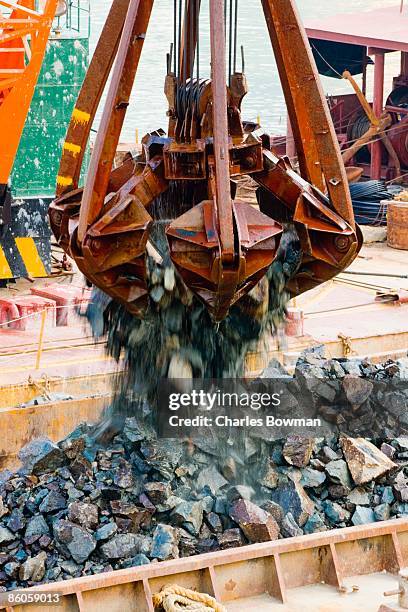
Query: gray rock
{"points": [[289, 527], [339, 473], [275, 510], [53, 502], [105, 532], [34, 568], [337, 369], [269, 475], [6, 535], [297, 450], [362, 516], [335, 513], [165, 543], [387, 496], [125, 545], [312, 478], [86, 515], [36, 526], [357, 390], [189, 515], [211, 478], [70, 567], [16, 521], [365, 461], [315, 524], [328, 454], [257, 524], [137, 561], [352, 367], [77, 540], [41, 456], [388, 450], [382, 512], [214, 522], [231, 538], [291, 497], [359, 497]]}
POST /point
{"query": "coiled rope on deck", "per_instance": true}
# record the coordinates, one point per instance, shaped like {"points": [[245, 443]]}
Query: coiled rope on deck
{"points": [[175, 598]]}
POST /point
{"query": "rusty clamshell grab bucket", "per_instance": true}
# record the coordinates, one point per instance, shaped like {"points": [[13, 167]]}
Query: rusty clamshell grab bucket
{"points": [[222, 249]]}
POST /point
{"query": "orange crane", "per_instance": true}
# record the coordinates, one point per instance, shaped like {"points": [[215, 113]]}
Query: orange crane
{"points": [[24, 30]]}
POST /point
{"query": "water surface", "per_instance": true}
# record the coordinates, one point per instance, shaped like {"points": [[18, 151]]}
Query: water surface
{"points": [[148, 104]]}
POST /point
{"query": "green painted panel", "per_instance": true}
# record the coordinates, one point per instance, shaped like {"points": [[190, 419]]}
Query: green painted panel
{"points": [[36, 165]]}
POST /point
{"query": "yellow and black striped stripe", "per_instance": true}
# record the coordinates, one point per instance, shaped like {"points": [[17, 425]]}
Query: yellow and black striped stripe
{"points": [[22, 257]]}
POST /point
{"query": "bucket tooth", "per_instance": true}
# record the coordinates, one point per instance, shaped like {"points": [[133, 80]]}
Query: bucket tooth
{"points": [[196, 252]]}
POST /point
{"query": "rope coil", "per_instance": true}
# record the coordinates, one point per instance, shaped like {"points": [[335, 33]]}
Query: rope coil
{"points": [[175, 598]]}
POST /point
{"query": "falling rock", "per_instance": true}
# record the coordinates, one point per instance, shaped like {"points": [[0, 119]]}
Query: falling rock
{"points": [[6, 535], [34, 568], [365, 461], [211, 478], [125, 545], [257, 524], [40, 456], [362, 516], [165, 543], [84, 514], [229, 468], [78, 540], [179, 367], [339, 473], [357, 389], [289, 527], [240, 492], [297, 450]]}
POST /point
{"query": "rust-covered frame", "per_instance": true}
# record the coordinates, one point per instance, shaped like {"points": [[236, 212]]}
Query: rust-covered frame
{"points": [[108, 235]]}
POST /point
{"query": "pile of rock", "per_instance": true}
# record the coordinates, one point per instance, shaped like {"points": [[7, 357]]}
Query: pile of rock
{"points": [[76, 509]]}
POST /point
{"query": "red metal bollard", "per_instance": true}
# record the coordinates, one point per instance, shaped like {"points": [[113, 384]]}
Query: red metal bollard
{"points": [[10, 312]]}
